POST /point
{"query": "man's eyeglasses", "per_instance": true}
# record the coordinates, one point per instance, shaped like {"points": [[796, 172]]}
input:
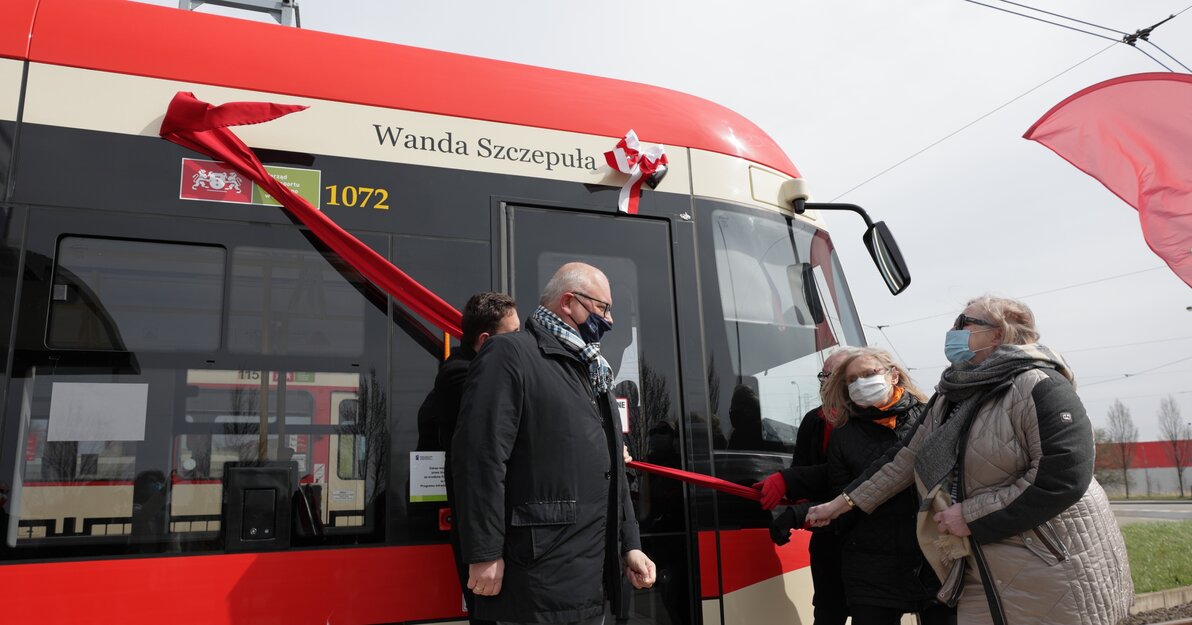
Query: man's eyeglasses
{"points": [[964, 320], [605, 308]]}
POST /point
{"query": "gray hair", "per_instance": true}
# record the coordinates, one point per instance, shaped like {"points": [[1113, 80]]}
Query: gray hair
{"points": [[1012, 317], [569, 278]]}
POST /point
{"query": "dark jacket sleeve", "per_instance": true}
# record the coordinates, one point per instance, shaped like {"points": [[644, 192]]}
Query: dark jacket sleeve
{"points": [[807, 477], [630, 535], [809, 482], [489, 417], [1064, 467], [449, 390]]}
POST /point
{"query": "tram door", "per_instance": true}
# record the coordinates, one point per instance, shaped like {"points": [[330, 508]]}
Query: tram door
{"points": [[634, 252]]}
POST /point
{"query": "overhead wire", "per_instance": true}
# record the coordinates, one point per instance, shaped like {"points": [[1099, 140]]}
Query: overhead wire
{"points": [[1039, 19], [1032, 89], [1071, 19], [1125, 376], [1089, 349], [888, 341], [1128, 39], [968, 125], [1036, 294], [1169, 55]]}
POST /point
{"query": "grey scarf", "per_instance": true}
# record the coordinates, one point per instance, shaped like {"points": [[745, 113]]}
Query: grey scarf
{"points": [[970, 386]]}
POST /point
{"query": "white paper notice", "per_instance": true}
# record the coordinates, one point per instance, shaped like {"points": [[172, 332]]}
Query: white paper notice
{"points": [[623, 408], [90, 411], [428, 476]]}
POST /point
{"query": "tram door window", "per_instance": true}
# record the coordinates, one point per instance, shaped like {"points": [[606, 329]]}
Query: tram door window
{"points": [[634, 252]]}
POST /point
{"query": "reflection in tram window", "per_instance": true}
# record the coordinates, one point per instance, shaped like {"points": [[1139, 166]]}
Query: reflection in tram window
{"points": [[114, 294]]}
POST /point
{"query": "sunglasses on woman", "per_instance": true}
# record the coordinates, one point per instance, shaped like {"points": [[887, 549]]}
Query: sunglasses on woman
{"points": [[964, 320]]}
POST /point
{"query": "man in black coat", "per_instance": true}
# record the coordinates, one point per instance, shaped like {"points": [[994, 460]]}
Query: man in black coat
{"points": [[543, 508], [485, 314]]}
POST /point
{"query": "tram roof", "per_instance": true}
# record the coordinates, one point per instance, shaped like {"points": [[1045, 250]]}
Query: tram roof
{"points": [[160, 42]]}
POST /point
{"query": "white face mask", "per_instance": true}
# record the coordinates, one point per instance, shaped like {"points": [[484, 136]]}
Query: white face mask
{"points": [[869, 391]]}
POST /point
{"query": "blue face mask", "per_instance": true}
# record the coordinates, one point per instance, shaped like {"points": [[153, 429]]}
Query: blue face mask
{"points": [[956, 347], [594, 328]]}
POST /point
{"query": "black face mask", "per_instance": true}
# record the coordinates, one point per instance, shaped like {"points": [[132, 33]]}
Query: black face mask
{"points": [[594, 328]]}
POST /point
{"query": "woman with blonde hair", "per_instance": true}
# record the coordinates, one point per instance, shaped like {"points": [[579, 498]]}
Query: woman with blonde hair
{"points": [[870, 402], [1014, 525]]}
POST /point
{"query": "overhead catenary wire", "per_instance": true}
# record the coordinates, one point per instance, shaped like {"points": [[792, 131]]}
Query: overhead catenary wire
{"points": [[888, 342], [1036, 294], [972, 123], [1039, 19], [1128, 39], [1071, 19], [1089, 349], [1029, 91], [1186, 68], [1125, 376]]}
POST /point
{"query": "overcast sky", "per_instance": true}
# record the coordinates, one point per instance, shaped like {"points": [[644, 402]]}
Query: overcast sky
{"points": [[849, 89]]}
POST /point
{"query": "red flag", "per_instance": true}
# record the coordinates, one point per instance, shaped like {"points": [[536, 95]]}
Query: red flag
{"points": [[197, 125], [1134, 135]]}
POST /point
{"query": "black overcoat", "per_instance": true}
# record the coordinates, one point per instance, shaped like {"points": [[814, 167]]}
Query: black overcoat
{"points": [[538, 476], [880, 558]]}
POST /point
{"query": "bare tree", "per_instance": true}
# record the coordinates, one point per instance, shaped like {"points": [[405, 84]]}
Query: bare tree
{"points": [[1178, 436], [1123, 434], [1105, 469]]}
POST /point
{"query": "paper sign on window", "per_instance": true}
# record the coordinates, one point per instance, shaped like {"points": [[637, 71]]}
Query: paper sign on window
{"points": [[428, 476], [90, 411]]}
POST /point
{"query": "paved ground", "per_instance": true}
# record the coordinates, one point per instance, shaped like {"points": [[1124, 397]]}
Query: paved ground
{"points": [[1141, 511]]}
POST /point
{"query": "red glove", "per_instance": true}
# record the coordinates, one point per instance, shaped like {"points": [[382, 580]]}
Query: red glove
{"points": [[773, 490]]}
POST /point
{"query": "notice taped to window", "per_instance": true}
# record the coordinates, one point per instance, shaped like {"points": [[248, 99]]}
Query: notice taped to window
{"points": [[428, 476]]}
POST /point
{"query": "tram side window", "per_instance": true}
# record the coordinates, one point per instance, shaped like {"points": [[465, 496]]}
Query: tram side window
{"points": [[292, 302], [125, 295], [765, 278]]}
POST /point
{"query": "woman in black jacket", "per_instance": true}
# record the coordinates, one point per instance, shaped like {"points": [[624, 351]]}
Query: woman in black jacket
{"points": [[872, 402]]}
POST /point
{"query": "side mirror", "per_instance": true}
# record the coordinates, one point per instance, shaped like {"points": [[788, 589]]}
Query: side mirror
{"points": [[877, 238], [888, 258]]}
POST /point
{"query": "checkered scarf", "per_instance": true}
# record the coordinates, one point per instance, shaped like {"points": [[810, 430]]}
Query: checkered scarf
{"points": [[598, 370]]}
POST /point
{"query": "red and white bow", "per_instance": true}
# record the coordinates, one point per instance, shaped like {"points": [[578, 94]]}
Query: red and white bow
{"points": [[628, 158]]}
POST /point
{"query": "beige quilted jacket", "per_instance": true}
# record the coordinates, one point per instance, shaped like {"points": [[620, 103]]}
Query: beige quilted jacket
{"points": [[1047, 548]]}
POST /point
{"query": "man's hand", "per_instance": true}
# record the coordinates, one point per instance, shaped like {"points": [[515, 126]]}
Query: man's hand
{"points": [[773, 490], [484, 578], [821, 515], [625, 453], [638, 568]]}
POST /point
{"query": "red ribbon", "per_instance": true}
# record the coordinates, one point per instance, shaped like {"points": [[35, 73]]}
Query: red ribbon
{"points": [[197, 125], [699, 479], [628, 158]]}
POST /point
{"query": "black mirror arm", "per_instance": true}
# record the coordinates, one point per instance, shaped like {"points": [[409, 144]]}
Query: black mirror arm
{"points": [[802, 206]]}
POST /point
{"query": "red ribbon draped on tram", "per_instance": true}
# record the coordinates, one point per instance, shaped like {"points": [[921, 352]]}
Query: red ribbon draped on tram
{"points": [[201, 127], [628, 158]]}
